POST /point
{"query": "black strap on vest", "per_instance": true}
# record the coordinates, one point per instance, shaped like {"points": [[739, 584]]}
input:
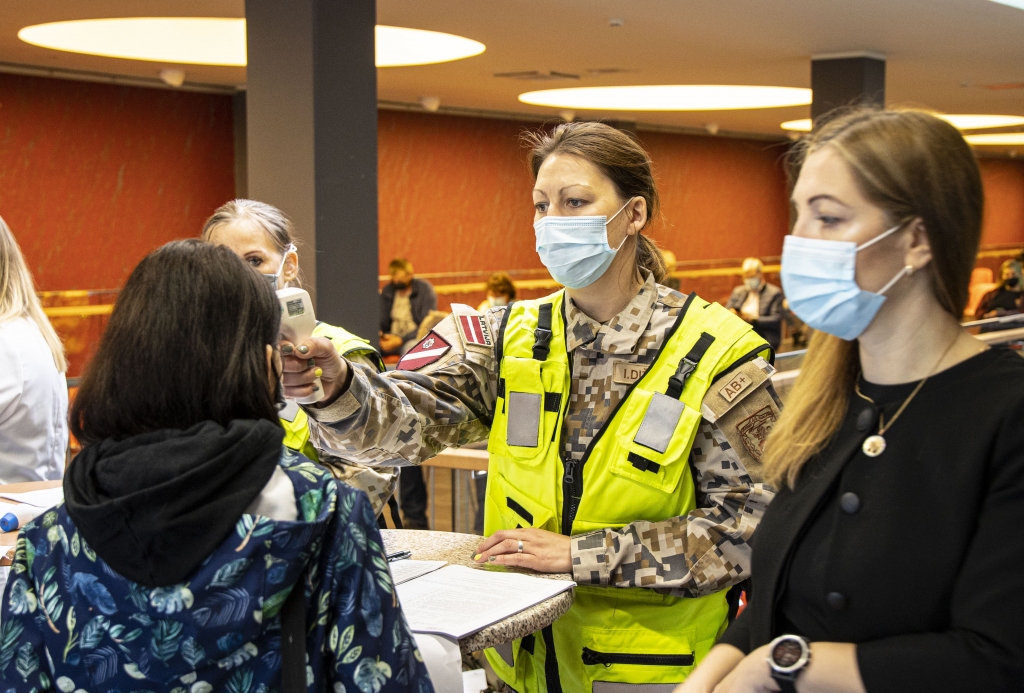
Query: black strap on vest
{"points": [[293, 641], [542, 335], [554, 683], [688, 365], [642, 463]]}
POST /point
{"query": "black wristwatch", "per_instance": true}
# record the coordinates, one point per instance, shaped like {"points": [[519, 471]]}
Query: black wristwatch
{"points": [[788, 655]]}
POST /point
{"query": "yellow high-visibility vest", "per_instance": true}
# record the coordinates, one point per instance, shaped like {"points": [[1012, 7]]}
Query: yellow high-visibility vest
{"points": [[629, 473]]}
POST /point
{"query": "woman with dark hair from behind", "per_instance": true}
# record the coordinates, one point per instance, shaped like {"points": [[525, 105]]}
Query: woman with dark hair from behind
{"points": [[192, 546], [890, 559]]}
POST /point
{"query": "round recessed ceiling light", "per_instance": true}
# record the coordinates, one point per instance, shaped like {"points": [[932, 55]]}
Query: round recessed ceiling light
{"points": [[221, 41], [961, 122], [673, 97], [398, 46], [978, 122], [996, 139], [191, 40], [1019, 4], [802, 125]]}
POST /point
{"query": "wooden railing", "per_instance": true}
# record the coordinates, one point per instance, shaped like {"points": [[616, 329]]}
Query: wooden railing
{"points": [[525, 279]]}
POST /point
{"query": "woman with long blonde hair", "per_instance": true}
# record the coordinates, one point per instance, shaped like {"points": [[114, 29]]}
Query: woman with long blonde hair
{"points": [[890, 558], [33, 390]]}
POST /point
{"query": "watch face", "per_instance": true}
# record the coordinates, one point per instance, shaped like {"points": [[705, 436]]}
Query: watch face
{"points": [[787, 653]]}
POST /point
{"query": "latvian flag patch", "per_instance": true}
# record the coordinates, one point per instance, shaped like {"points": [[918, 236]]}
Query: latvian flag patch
{"points": [[431, 349], [474, 330]]}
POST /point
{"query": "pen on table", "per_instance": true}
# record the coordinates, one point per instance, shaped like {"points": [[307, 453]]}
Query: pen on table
{"points": [[398, 555]]}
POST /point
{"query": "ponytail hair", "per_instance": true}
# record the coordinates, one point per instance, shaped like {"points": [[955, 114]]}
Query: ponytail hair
{"points": [[622, 159]]}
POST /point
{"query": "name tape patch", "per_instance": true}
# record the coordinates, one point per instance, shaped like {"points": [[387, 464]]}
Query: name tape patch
{"points": [[628, 373], [474, 330], [430, 349], [735, 387]]}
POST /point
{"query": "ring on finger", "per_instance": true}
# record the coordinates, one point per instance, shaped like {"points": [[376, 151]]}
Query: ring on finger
{"points": [[520, 546]]}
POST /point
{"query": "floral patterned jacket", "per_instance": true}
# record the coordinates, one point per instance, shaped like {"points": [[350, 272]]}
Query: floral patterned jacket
{"points": [[70, 623]]}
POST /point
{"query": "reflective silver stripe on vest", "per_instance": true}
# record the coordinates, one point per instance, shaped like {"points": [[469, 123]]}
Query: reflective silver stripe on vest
{"points": [[613, 687], [523, 419], [659, 422]]}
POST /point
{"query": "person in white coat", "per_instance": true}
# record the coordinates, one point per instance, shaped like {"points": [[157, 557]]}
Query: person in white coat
{"points": [[33, 389]]}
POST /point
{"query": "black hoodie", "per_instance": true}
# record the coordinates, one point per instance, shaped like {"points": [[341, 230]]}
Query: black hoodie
{"points": [[154, 506]]}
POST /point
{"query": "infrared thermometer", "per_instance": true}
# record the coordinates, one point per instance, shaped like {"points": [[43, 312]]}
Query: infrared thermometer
{"points": [[297, 324]]}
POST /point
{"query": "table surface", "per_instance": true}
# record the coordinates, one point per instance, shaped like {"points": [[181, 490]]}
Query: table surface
{"points": [[11, 538], [458, 549]]}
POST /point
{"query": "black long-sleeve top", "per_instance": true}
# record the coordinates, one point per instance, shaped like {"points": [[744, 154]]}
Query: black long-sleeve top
{"points": [[916, 556]]}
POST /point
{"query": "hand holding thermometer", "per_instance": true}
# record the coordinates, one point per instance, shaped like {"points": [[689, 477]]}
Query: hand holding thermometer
{"points": [[297, 324]]}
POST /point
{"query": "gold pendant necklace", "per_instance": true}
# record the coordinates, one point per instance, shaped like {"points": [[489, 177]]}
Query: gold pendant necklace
{"points": [[874, 445]]}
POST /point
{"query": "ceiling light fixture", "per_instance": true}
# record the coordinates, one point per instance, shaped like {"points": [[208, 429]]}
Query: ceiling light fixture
{"points": [[674, 97], [979, 122], [802, 125], [1019, 4], [221, 41], [398, 47], [960, 121], [997, 139]]}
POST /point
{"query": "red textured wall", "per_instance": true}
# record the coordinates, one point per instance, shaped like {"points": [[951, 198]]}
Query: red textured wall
{"points": [[721, 198], [1004, 201], [94, 176], [455, 194]]}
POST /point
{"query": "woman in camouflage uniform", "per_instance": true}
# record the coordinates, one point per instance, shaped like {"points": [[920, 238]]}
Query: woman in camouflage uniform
{"points": [[625, 422]]}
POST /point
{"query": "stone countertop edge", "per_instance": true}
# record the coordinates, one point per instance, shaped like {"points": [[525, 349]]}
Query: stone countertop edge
{"points": [[458, 549]]}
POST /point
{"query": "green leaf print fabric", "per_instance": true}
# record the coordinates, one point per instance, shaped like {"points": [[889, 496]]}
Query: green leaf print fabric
{"points": [[71, 623]]}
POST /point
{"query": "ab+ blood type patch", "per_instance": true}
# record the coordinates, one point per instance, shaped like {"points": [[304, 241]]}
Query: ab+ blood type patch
{"points": [[428, 351]]}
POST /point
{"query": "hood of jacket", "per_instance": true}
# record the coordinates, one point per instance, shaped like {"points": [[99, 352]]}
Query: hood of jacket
{"points": [[154, 506]]}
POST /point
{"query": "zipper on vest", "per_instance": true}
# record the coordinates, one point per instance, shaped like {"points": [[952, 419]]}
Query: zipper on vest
{"points": [[591, 657], [572, 491]]}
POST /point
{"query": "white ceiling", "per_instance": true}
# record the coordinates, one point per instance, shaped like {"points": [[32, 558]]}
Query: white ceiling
{"points": [[940, 53]]}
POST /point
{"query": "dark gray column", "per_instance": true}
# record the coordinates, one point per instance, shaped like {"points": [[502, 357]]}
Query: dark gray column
{"points": [[241, 149], [846, 79], [312, 143]]}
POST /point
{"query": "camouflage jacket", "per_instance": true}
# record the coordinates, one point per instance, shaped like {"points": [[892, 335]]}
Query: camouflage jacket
{"points": [[449, 401]]}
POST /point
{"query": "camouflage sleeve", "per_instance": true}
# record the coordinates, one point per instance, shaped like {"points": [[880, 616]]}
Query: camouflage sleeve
{"points": [[708, 549], [442, 397], [379, 482]]}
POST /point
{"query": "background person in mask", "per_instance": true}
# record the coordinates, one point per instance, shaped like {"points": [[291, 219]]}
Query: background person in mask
{"points": [[624, 423], [501, 291], [262, 235], [891, 555], [404, 303], [192, 543], [758, 302], [1005, 299]]}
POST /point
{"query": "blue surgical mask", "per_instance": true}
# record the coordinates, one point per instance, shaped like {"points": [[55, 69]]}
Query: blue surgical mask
{"points": [[575, 249], [818, 278], [272, 278]]}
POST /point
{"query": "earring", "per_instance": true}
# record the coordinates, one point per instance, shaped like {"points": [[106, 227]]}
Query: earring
{"points": [[910, 270]]}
